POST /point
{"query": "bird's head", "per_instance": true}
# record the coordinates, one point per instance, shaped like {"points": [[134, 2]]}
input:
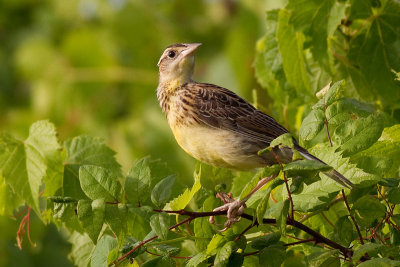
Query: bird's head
{"points": [[176, 64]]}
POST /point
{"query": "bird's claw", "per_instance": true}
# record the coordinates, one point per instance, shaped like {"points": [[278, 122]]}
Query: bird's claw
{"points": [[234, 209]]}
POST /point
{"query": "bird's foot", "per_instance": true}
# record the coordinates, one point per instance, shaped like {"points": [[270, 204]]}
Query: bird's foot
{"points": [[234, 209]]}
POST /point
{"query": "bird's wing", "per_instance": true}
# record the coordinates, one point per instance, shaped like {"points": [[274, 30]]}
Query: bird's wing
{"points": [[220, 108]]}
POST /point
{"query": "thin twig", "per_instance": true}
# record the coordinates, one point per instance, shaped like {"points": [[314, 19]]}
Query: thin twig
{"points": [[326, 219], [300, 242], [244, 231], [352, 218], [251, 253], [311, 214], [287, 185], [327, 126]]}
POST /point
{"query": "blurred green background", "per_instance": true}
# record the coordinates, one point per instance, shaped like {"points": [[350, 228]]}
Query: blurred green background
{"points": [[89, 66]]}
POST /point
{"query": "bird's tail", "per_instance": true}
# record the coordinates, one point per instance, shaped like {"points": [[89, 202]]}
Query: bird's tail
{"points": [[335, 175]]}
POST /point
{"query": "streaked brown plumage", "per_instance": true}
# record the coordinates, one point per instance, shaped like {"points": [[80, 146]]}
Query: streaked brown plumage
{"points": [[212, 123]]}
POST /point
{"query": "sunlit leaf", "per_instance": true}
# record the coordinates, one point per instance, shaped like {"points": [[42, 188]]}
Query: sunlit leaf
{"points": [[25, 165], [91, 216], [162, 190], [160, 223], [98, 182], [103, 248]]}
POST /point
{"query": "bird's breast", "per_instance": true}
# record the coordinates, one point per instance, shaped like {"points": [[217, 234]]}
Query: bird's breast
{"points": [[217, 147]]}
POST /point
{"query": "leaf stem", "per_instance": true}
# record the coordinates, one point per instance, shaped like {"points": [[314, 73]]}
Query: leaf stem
{"points": [[286, 184], [327, 126], [244, 231], [352, 218]]}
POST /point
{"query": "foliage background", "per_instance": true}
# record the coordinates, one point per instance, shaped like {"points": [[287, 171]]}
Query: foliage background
{"points": [[90, 67]]}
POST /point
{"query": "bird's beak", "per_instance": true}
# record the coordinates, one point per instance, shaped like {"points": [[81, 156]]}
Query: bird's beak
{"points": [[190, 49]]}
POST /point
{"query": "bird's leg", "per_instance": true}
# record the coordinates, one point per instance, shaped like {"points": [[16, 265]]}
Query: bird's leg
{"points": [[235, 208]]}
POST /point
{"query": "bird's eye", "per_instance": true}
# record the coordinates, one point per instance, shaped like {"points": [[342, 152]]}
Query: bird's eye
{"points": [[171, 54]]}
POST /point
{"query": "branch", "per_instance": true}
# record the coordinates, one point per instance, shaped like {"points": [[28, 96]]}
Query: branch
{"points": [[317, 237], [347, 252]]}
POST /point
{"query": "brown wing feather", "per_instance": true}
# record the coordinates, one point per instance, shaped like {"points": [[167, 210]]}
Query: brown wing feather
{"points": [[220, 108]]}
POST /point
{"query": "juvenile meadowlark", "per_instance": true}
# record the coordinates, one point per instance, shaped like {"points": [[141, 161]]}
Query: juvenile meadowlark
{"points": [[215, 125]]}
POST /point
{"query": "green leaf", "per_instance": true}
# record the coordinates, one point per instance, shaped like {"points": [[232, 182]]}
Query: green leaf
{"points": [[318, 19], [162, 190], [394, 236], [85, 150], [306, 168], [333, 92], [369, 248], [324, 258], [263, 205], [98, 182], [129, 244], [312, 124], [25, 165], [285, 140], [216, 242], [383, 157], [82, 247], [138, 181], [379, 262], [223, 254], [166, 250], [347, 109], [266, 240], [368, 210], [394, 195], [280, 212], [343, 231], [66, 213], [272, 256], [374, 50], [91, 216], [9, 201], [315, 195], [138, 222], [183, 200], [203, 230], [213, 176], [197, 259], [59, 199], [236, 260], [43, 138], [116, 216], [291, 44], [268, 63], [160, 262], [160, 224], [359, 134], [102, 249]]}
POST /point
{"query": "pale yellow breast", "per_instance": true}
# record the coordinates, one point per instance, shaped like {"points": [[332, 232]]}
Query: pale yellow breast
{"points": [[216, 147]]}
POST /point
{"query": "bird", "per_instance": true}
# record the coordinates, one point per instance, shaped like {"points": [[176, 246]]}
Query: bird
{"points": [[215, 125]]}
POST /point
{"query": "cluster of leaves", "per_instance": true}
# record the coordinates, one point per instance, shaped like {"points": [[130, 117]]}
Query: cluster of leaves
{"points": [[145, 217], [310, 43], [301, 218]]}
